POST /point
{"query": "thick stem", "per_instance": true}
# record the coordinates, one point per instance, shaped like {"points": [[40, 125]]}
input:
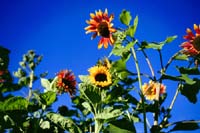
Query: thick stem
{"points": [[157, 104], [140, 86], [98, 126], [30, 85]]}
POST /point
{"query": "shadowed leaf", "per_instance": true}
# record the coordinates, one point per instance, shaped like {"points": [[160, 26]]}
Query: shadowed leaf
{"points": [[185, 125], [191, 91]]}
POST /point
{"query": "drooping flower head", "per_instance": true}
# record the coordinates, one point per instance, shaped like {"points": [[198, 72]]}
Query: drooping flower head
{"points": [[100, 76], [100, 24], [66, 82], [104, 62], [192, 45], [5, 76], [149, 90]]}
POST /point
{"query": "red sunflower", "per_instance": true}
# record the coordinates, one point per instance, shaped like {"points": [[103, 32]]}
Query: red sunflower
{"points": [[100, 24], [192, 45], [66, 82]]}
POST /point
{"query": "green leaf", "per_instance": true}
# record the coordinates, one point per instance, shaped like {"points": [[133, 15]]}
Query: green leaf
{"points": [[120, 50], [132, 29], [84, 78], [183, 77], [170, 39], [45, 83], [119, 67], [182, 57], [185, 125], [64, 123], [191, 91], [90, 93], [14, 104], [190, 71], [87, 106], [121, 126], [187, 79], [119, 37], [48, 98], [157, 46], [152, 45], [109, 113], [45, 125], [125, 17]]}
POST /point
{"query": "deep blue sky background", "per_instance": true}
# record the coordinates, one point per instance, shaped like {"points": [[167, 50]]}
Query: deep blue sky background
{"points": [[55, 29]]}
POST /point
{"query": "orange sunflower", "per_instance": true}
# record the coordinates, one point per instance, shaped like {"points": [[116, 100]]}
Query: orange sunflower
{"points": [[66, 82], [192, 45], [100, 24], [149, 90]]}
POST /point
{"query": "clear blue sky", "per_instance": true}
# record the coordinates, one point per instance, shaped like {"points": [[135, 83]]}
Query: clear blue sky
{"points": [[55, 29]]}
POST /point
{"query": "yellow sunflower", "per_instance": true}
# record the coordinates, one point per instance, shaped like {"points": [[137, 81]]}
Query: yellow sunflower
{"points": [[149, 90], [100, 76], [100, 24], [192, 45]]}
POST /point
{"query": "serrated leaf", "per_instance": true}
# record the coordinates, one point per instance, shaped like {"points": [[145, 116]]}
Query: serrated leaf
{"points": [[13, 104], [125, 17], [121, 126], [48, 98], [109, 113], [64, 123]]}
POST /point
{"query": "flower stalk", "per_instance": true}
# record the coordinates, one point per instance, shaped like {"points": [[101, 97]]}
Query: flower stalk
{"points": [[31, 76], [140, 86]]}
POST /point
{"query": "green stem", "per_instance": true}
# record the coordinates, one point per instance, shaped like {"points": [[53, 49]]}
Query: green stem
{"points": [[171, 106], [170, 61], [157, 104], [161, 59], [30, 85], [140, 86], [147, 60], [98, 126]]}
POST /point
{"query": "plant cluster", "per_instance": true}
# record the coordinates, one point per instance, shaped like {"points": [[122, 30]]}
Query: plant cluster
{"points": [[112, 97]]}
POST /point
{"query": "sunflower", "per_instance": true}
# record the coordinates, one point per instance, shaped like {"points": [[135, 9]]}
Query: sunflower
{"points": [[66, 82], [149, 90], [100, 76], [100, 24], [5, 76], [104, 62], [192, 45]]}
